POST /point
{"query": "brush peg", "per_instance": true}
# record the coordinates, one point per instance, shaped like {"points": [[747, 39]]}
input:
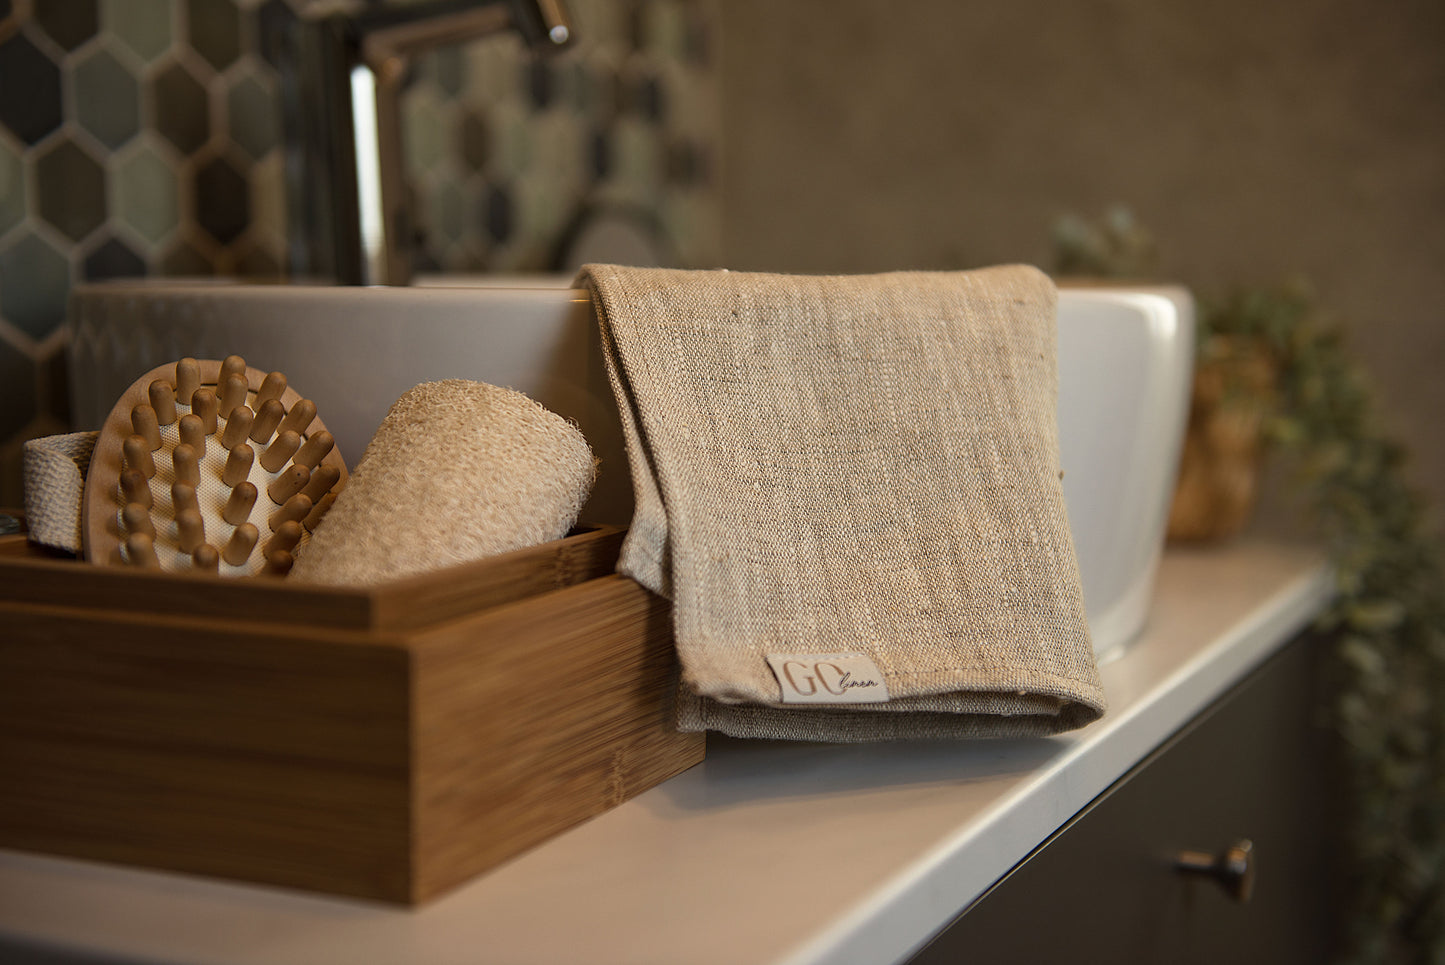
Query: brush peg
{"points": [[318, 512], [187, 464], [238, 427], [143, 421], [280, 451], [136, 488], [193, 433], [298, 420], [137, 519], [297, 508], [273, 386], [238, 465], [268, 417], [231, 365], [287, 535], [322, 479], [238, 505], [190, 530], [183, 497], [315, 449], [141, 550], [188, 380], [137, 453], [242, 541], [206, 558], [205, 404], [233, 390], [279, 562], [163, 400], [289, 483]]}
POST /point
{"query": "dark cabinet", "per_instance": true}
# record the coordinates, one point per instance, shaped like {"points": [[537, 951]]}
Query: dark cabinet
{"points": [[1256, 766]]}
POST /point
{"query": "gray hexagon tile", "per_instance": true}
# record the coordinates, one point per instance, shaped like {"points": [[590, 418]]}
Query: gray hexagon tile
{"points": [[253, 113], [147, 194], [222, 200], [493, 69], [697, 44], [70, 183], [53, 390], [542, 212], [272, 24], [599, 153], [561, 151], [474, 140], [112, 259], [666, 28], [513, 137], [688, 163], [17, 374], [599, 22], [36, 307], [12, 188], [448, 70], [143, 25], [255, 262], [424, 133], [107, 98], [69, 23], [497, 208], [636, 27], [642, 94], [584, 93], [184, 259], [30, 103], [638, 157], [540, 79], [182, 109], [214, 28], [448, 211]]}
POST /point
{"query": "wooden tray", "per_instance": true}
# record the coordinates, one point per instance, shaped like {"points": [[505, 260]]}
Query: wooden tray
{"points": [[387, 743]]}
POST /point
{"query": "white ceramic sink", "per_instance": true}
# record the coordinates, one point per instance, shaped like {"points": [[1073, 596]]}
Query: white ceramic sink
{"points": [[1124, 362]]}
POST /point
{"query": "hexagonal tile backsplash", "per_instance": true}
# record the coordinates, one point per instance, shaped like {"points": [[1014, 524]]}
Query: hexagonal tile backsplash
{"points": [[143, 137]]}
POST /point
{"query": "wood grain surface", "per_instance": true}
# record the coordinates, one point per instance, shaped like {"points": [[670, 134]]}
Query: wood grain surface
{"points": [[30, 574], [386, 744], [595, 699]]}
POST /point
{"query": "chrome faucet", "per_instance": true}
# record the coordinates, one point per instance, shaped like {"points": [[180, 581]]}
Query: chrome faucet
{"points": [[342, 76]]}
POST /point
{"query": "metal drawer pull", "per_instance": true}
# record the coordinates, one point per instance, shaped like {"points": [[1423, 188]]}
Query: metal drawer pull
{"points": [[1233, 868]]}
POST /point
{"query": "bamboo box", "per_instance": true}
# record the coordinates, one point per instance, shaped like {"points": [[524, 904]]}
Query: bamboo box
{"points": [[388, 743]]}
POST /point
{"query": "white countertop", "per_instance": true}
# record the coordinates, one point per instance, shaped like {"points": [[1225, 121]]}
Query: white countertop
{"points": [[766, 853]]}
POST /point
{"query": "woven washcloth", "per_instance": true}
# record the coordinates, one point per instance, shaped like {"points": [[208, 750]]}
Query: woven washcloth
{"points": [[54, 469], [849, 487]]}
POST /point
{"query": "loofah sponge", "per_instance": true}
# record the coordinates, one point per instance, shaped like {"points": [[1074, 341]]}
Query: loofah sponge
{"points": [[457, 471]]}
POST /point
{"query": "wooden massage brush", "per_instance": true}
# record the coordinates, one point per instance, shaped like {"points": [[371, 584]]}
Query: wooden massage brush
{"points": [[210, 466]]}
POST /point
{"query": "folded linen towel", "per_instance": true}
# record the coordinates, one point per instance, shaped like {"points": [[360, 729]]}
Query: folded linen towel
{"points": [[850, 489]]}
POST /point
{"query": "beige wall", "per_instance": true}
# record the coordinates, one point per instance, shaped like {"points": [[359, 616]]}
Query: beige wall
{"points": [[1255, 139]]}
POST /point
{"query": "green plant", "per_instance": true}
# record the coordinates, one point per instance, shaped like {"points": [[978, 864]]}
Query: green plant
{"points": [[1386, 622]]}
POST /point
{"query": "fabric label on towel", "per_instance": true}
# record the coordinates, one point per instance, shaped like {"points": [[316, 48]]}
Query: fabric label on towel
{"points": [[828, 678]]}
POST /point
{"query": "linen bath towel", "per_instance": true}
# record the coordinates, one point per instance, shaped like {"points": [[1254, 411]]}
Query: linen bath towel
{"points": [[850, 489]]}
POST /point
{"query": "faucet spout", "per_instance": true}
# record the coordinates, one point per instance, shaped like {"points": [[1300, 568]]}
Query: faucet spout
{"points": [[350, 212]]}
